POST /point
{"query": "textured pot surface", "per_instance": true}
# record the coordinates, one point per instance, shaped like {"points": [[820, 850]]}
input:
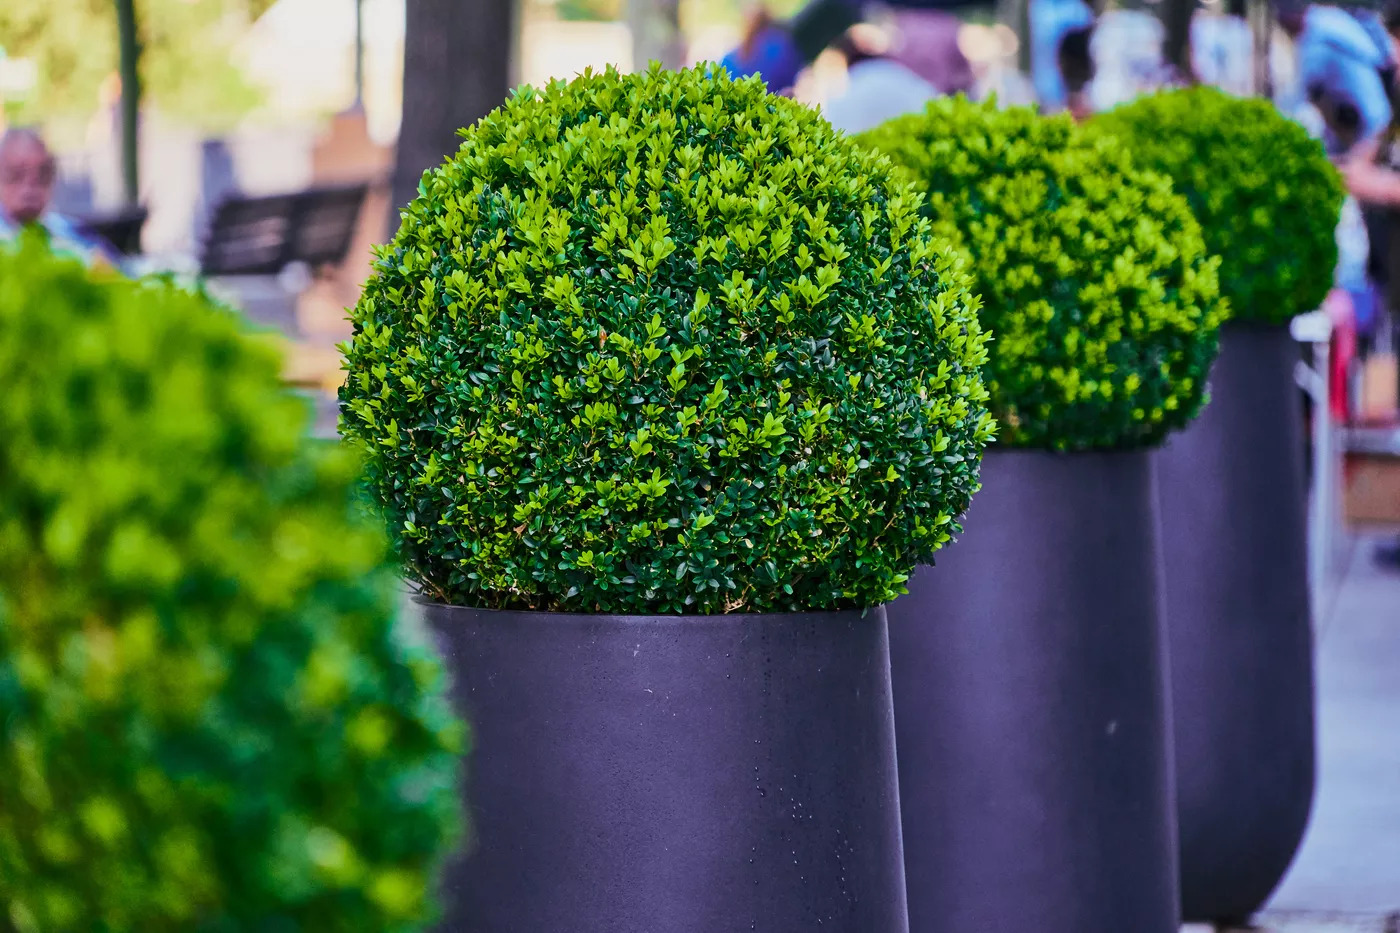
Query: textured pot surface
{"points": [[1030, 708], [1234, 545], [675, 774]]}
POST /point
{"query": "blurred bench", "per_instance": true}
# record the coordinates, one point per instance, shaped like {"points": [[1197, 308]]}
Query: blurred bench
{"points": [[120, 229], [265, 235], [284, 236]]}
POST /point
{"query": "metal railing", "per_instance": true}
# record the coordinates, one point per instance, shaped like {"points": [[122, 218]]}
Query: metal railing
{"points": [[1315, 329]]}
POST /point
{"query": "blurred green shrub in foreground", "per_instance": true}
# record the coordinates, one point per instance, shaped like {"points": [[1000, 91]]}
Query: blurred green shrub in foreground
{"points": [[209, 719]]}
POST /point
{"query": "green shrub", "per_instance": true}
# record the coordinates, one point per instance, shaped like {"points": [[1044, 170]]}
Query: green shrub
{"points": [[665, 343], [1094, 280], [210, 720], [1267, 198]]}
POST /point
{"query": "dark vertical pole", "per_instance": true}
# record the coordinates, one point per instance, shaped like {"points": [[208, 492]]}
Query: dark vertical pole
{"points": [[359, 54], [1019, 19], [456, 69], [1176, 47], [1261, 24], [130, 55], [656, 33]]}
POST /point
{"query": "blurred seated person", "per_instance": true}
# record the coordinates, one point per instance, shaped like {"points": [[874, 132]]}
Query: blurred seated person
{"points": [[1372, 174], [27, 174], [1341, 60], [889, 74], [926, 42], [766, 49], [1050, 21], [777, 50], [1076, 62], [878, 88]]}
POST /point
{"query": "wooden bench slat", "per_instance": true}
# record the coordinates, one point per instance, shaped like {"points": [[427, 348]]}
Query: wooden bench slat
{"points": [[261, 236]]}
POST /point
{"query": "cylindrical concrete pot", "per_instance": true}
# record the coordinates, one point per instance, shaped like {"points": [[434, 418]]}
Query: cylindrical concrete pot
{"points": [[1234, 542], [1031, 710], [675, 774]]}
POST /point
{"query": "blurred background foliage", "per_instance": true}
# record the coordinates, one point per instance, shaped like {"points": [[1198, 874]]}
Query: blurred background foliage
{"points": [[187, 66]]}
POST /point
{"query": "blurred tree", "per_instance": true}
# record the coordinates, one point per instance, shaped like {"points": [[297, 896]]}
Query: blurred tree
{"points": [[1176, 45], [656, 33], [129, 54], [606, 10], [186, 63], [456, 69]]}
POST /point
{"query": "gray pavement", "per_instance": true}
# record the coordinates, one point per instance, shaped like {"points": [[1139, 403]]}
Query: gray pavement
{"points": [[1308, 922], [267, 302], [1347, 874], [264, 299]]}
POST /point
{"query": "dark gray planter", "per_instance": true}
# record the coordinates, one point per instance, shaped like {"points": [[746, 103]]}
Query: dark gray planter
{"points": [[1234, 542], [1030, 708], [676, 774]]}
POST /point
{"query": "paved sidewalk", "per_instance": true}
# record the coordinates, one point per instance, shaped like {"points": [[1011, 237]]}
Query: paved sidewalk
{"points": [[1313, 923], [1347, 876]]}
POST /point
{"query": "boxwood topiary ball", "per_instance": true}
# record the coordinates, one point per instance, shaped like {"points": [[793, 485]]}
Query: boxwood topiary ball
{"points": [[1094, 278], [1267, 198], [666, 343], [209, 720]]}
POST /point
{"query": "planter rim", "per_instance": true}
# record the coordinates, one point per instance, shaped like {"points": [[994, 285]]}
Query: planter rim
{"points": [[728, 618]]}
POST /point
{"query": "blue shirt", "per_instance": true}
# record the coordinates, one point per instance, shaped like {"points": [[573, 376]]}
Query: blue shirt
{"points": [[66, 238], [1050, 21]]}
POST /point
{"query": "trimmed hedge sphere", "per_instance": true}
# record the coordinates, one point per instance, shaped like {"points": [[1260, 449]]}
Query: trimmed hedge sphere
{"points": [[1267, 198], [1094, 278], [211, 722], [666, 343]]}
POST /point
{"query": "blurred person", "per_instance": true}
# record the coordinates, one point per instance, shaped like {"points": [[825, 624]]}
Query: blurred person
{"points": [[27, 174], [1050, 22], [992, 53], [765, 49], [1222, 52], [878, 88], [891, 73], [1372, 170], [1128, 48], [1341, 60], [1076, 63], [1372, 175], [778, 50], [926, 42]]}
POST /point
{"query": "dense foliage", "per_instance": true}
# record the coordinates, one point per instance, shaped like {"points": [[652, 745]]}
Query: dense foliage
{"points": [[666, 343], [1267, 198], [189, 65], [1093, 275], [211, 721]]}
